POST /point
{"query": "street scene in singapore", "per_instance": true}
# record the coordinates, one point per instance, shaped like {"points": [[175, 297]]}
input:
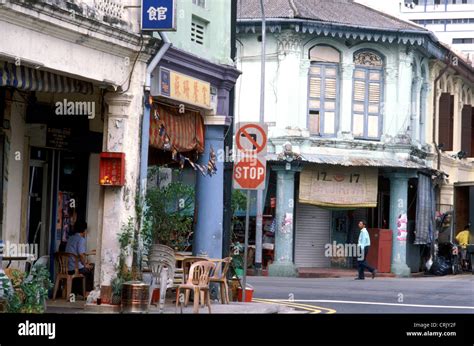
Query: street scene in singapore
{"points": [[183, 163]]}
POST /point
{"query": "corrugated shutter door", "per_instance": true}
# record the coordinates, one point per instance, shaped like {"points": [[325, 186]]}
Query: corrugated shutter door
{"points": [[312, 234]]}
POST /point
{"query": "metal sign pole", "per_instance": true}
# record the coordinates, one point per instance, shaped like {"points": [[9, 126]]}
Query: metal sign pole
{"points": [[246, 244], [260, 201]]}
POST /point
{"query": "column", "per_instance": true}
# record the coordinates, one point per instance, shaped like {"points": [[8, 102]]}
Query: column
{"points": [[399, 222], [283, 264], [208, 235], [122, 133], [345, 110]]}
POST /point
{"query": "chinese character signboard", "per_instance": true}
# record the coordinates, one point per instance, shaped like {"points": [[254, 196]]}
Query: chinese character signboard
{"points": [[159, 15], [340, 187], [183, 88]]}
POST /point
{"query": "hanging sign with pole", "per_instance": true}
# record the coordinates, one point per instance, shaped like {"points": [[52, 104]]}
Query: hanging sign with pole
{"points": [[250, 171], [158, 15]]}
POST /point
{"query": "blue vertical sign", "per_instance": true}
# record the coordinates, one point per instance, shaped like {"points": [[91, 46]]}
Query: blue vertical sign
{"points": [[159, 15]]}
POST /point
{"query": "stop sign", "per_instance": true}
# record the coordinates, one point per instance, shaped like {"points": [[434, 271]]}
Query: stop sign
{"points": [[249, 174]]}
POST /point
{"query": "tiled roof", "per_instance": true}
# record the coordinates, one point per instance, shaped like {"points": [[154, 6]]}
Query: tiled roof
{"points": [[344, 12]]}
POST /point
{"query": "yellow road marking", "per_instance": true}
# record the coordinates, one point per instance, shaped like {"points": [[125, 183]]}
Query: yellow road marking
{"points": [[314, 309]]}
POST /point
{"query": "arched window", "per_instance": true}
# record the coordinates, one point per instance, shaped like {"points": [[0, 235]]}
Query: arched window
{"points": [[323, 91], [367, 95]]}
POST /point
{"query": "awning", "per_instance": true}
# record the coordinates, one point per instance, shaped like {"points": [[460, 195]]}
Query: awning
{"points": [[30, 79], [185, 132], [354, 161]]}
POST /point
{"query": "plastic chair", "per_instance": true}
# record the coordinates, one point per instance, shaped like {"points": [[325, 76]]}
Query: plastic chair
{"points": [[186, 265], [220, 277], [198, 281], [162, 263], [63, 274]]}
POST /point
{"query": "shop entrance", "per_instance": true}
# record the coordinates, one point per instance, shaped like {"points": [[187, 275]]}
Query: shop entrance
{"points": [[38, 200], [57, 195]]}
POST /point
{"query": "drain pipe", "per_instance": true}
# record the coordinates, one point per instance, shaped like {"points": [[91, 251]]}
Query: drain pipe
{"points": [[145, 140]]}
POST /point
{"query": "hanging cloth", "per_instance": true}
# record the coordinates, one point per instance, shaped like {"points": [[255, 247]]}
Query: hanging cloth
{"points": [[425, 210]]}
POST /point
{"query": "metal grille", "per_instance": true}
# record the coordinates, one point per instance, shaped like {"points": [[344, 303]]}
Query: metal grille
{"points": [[112, 8]]}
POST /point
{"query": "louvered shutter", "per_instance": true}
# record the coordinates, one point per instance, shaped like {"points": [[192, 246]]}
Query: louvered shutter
{"points": [[445, 128], [466, 131]]}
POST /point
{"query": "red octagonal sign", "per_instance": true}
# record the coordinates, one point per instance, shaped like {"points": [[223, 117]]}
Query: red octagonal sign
{"points": [[249, 175]]}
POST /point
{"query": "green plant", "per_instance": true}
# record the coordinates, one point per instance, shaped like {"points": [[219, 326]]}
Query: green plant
{"points": [[117, 285], [167, 218], [238, 203], [29, 293]]}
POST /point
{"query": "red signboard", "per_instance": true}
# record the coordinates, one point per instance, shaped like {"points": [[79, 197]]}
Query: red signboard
{"points": [[250, 168], [249, 175], [112, 169]]}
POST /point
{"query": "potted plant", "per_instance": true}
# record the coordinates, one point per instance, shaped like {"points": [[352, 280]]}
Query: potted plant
{"points": [[117, 285], [27, 293], [168, 215]]}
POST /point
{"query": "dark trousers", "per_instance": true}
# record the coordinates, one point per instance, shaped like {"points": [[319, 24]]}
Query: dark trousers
{"points": [[77, 284], [363, 265]]}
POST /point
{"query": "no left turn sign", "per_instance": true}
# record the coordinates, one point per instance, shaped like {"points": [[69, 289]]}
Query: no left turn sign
{"points": [[251, 139]]}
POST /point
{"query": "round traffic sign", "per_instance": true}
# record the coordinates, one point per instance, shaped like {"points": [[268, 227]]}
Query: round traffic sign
{"points": [[259, 142]]}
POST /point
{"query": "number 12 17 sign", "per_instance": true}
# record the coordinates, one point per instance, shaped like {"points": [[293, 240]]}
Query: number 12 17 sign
{"points": [[159, 15]]}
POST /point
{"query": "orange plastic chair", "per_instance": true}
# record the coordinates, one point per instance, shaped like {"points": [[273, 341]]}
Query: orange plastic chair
{"points": [[220, 277], [62, 259], [198, 281]]}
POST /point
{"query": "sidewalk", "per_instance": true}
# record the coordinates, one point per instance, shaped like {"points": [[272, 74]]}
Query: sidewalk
{"points": [[334, 273], [79, 307]]}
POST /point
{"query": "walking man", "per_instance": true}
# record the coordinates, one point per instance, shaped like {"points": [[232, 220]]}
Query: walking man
{"points": [[364, 245]]}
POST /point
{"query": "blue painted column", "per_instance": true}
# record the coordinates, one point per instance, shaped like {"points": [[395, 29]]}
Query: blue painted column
{"points": [[208, 233], [398, 222], [283, 264]]}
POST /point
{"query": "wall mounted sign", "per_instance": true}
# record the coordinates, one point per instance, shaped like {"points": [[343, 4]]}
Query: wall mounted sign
{"points": [[339, 187], [183, 88], [58, 138], [159, 15]]}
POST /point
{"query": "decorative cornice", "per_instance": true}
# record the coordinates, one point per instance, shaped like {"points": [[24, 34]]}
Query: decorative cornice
{"points": [[289, 42], [223, 75], [118, 104]]}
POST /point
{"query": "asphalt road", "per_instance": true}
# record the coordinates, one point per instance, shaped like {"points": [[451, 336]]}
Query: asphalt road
{"points": [[439, 295]]}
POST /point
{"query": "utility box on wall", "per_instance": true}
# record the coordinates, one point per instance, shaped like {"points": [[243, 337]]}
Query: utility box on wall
{"points": [[112, 169], [380, 253]]}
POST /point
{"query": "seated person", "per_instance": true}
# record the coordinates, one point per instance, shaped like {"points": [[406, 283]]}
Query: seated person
{"points": [[76, 244]]}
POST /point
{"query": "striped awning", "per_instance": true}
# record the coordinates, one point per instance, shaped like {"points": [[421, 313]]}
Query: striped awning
{"points": [[30, 79], [184, 131]]}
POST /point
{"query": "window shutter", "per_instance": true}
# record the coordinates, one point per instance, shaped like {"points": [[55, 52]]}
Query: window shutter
{"points": [[472, 131], [445, 128], [315, 87], [466, 131], [359, 91], [331, 88], [374, 92]]}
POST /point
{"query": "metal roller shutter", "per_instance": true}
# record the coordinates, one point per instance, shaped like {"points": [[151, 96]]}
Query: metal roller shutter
{"points": [[312, 231]]}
